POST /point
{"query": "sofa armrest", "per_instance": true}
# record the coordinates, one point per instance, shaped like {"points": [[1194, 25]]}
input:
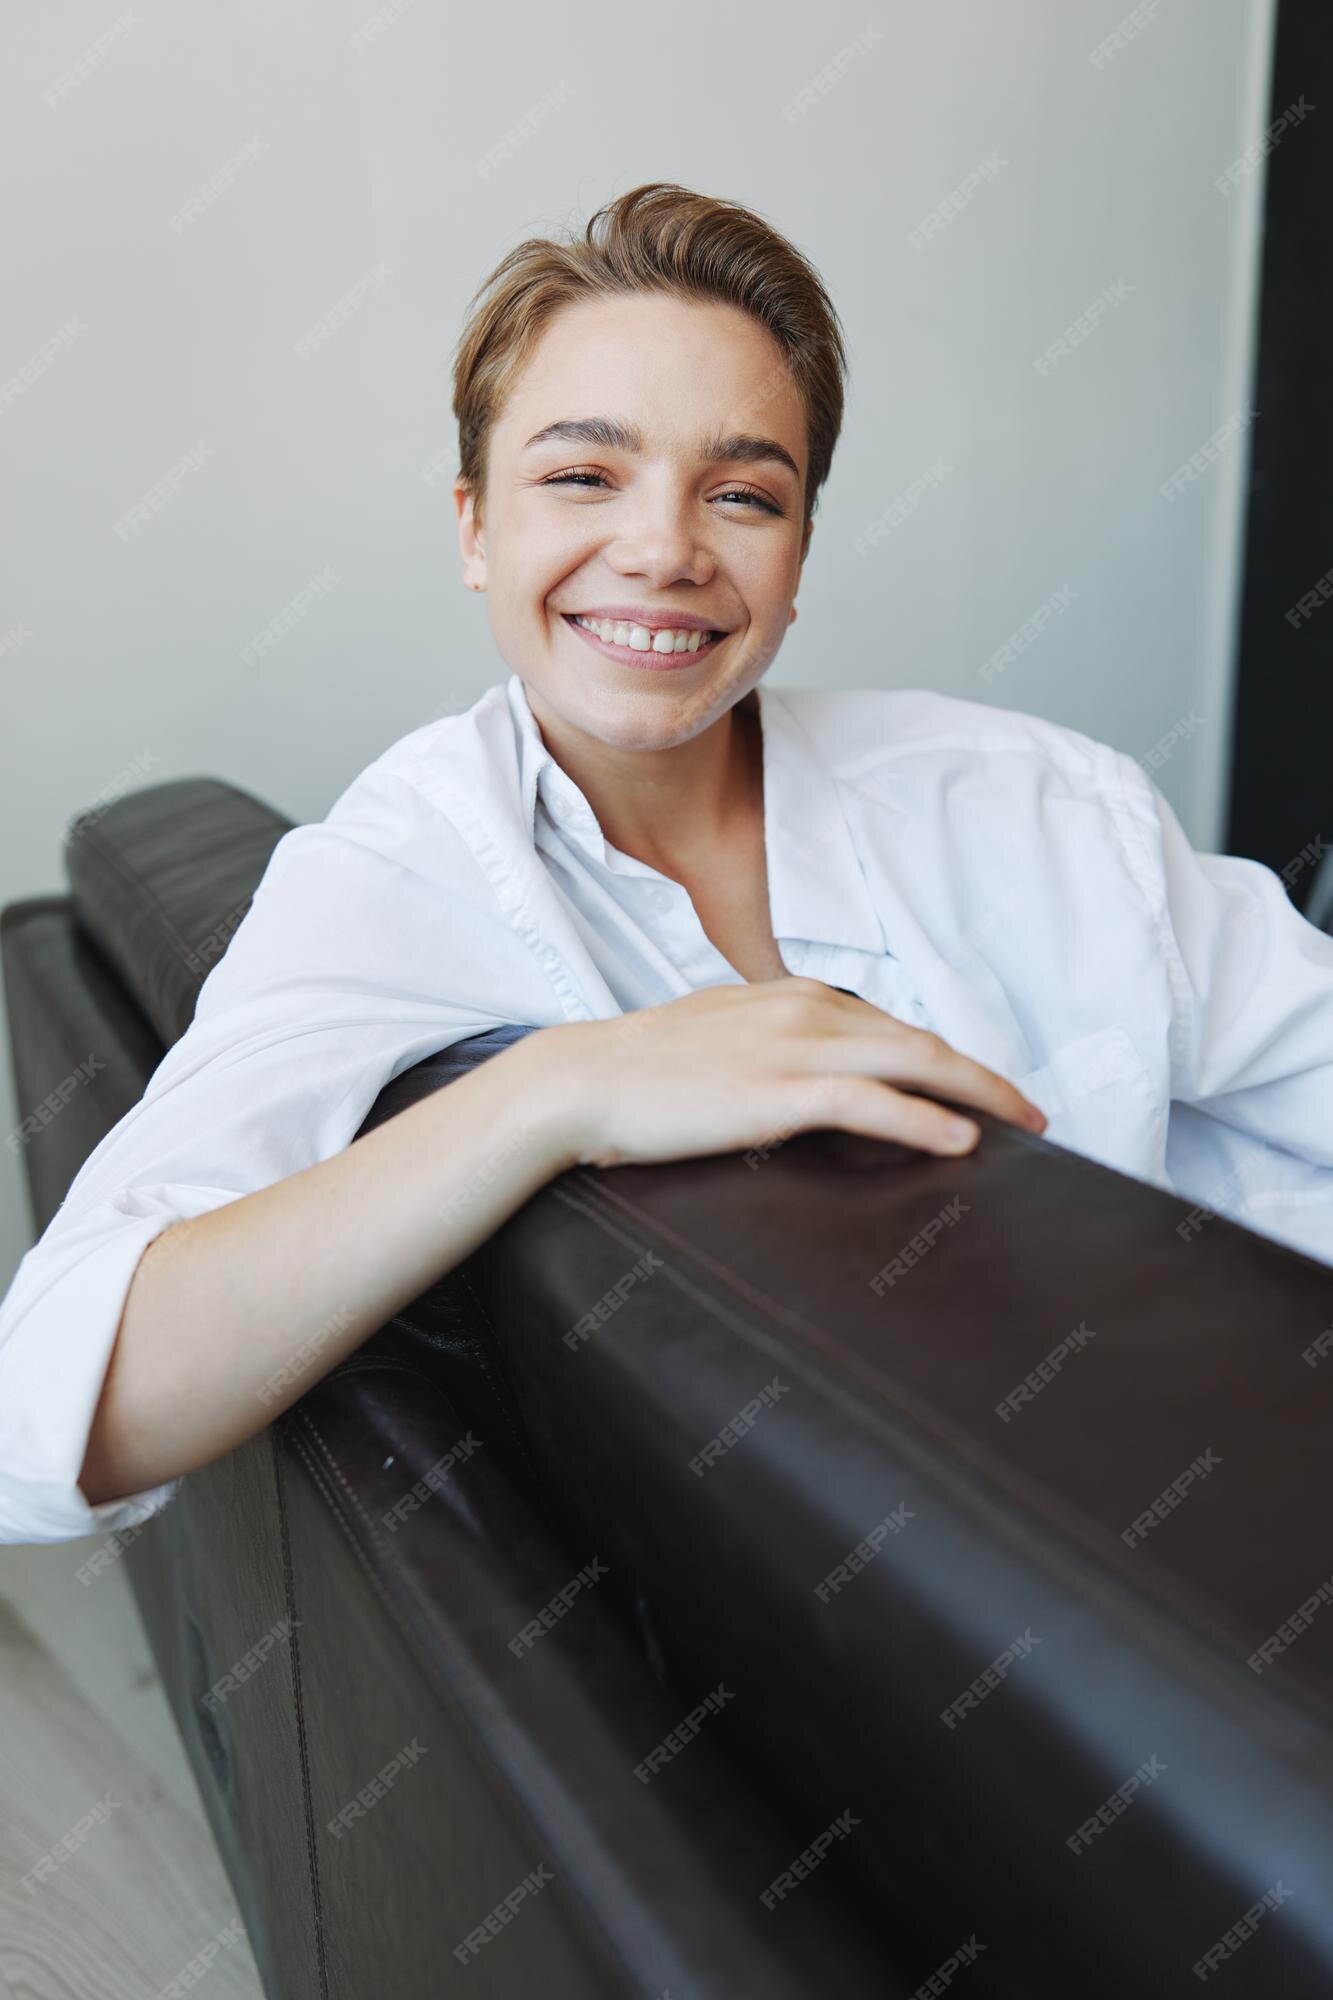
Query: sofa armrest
{"points": [[989, 1535], [418, 1576]]}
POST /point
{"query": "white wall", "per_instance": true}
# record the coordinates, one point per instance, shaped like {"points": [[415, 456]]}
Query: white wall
{"points": [[368, 157]]}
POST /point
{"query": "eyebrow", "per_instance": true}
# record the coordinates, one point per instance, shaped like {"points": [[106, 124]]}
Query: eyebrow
{"points": [[612, 435]]}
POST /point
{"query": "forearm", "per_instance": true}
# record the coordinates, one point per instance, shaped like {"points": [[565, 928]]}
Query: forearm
{"points": [[231, 1317]]}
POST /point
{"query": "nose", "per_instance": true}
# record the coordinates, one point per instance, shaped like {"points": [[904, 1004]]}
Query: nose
{"points": [[664, 541]]}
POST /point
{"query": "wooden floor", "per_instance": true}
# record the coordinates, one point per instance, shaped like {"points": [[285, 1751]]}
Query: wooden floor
{"points": [[83, 1716]]}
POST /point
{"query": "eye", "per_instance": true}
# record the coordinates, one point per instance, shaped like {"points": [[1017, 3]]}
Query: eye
{"points": [[755, 499], [588, 478], [570, 479]]}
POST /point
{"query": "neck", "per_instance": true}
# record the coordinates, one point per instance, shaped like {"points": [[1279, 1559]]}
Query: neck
{"points": [[666, 808]]}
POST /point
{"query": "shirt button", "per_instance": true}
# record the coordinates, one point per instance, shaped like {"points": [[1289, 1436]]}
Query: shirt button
{"points": [[660, 899]]}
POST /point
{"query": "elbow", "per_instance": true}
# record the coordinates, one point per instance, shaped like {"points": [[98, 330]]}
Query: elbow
{"points": [[98, 1481]]}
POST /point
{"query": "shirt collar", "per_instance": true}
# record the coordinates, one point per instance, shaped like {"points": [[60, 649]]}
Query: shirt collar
{"points": [[816, 885]]}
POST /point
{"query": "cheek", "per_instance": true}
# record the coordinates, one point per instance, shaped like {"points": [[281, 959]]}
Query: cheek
{"points": [[525, 573], [769, 582], [552, 553]]}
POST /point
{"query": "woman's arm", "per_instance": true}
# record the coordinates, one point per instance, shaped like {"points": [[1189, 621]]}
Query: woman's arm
{"points": [[368, 946], [233, 1315], [1251, 1132]]}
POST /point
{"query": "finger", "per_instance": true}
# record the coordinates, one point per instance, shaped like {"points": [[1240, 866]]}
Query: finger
{"points": [[914, 1057], [855, 1103]]}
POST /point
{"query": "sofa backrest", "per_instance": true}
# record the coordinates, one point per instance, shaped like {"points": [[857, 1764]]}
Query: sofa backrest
{"points": [[161, 878]]}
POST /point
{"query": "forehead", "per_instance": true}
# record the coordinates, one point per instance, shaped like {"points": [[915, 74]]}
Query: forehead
{"points": [[675, 368]]}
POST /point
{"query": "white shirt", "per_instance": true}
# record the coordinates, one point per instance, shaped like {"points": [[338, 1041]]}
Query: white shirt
{"points": [[1014, 885]]}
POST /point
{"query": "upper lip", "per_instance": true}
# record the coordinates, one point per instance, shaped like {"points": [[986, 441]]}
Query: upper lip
{"points": [[641, 614]]}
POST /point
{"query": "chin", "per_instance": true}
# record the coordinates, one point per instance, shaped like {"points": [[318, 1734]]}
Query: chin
{"points": [[652, 711], [647, 719]]}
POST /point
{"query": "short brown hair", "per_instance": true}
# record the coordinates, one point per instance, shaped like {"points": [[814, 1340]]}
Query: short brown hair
{"points": [[658, 237]]}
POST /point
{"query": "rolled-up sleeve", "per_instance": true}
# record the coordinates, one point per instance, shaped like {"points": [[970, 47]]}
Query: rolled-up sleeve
{"points": [[370, 944], [1252, 1029]]}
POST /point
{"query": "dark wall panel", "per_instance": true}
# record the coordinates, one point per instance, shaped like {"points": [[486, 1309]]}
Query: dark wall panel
{"points": [[1281, 805]]}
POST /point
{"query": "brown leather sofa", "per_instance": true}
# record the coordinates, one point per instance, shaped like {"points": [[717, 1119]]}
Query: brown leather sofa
{"points": [[823, 1571]]}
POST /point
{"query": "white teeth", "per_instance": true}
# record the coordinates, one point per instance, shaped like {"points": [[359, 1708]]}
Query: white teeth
{"points": [[619, 632]]}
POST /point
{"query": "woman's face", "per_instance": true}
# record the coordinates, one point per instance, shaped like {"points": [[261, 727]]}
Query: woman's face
{"points": [[687, 500]]}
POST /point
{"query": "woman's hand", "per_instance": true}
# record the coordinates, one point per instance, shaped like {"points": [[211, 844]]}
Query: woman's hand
{"points": [[731, 1067]]}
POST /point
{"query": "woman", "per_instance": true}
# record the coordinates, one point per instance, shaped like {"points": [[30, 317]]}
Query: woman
{"points": [[729, 915]]}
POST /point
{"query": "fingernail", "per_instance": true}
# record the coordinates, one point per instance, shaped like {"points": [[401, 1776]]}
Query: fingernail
{"points": [[1036, 1119], [959, 1134]]}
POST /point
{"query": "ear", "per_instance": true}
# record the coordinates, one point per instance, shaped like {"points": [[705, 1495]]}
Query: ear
{"points": [[800, 563], [471, 541]]}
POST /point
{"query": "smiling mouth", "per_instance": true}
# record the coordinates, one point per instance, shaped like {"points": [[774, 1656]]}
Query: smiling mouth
{"points": [[637, 646]]}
